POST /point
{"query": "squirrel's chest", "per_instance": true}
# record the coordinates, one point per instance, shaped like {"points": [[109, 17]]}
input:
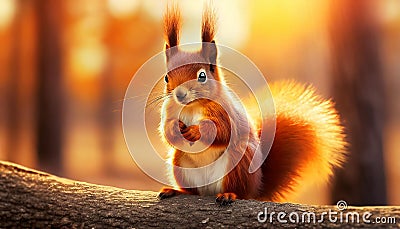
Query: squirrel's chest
{"points": [[208, 171], [191, 115]]}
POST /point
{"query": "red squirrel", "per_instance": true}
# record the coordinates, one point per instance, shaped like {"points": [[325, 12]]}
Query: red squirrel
{"points": [[309, 139]]}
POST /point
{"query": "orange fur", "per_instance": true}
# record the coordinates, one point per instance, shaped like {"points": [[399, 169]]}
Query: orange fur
{"points": [[309, 141]]}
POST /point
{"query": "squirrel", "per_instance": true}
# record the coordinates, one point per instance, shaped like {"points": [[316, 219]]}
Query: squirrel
{"points": [[309, 140]]}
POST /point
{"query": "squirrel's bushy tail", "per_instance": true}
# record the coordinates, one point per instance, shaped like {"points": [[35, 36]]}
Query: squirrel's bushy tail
{"points": [[309, 141]]}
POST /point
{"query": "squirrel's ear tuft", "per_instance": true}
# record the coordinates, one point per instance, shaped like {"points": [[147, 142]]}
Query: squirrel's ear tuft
{"points": [[172, 27], [209, 49], [208, 24]]}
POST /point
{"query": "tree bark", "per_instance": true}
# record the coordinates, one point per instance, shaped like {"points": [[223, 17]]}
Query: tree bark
{"points": [[34, 199]]}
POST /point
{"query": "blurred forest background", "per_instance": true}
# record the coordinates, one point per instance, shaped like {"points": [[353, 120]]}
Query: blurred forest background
{"points": [[65, 66]]}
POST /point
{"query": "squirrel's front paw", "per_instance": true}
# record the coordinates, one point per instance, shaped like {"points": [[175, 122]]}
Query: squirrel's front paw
{"points": [[172, 131], [191, 133], [167, 193], [225, 198]]}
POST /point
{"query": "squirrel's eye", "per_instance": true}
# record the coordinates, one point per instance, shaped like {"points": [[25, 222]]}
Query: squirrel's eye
{"points": [[166, 78], [202, 77]]}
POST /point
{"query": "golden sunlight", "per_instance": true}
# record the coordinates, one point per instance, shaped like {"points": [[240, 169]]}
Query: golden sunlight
{"points": [[123, 8], [7, 11], [88, 61], [279, 17]]}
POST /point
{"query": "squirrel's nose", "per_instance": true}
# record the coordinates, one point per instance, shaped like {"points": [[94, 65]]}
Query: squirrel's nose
{"points": [[180, 95]]}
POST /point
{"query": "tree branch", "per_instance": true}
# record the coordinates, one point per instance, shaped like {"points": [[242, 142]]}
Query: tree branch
{"points": [[29, 198]]}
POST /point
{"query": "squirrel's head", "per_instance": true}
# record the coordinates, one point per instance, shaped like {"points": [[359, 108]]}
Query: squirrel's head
{"points": [[191, 75]]}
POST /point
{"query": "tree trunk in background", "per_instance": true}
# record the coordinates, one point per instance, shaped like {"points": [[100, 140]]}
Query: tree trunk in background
{"points": [[358, 91], [12, 89], [50, 91], [107, 112], [106, 117]]}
